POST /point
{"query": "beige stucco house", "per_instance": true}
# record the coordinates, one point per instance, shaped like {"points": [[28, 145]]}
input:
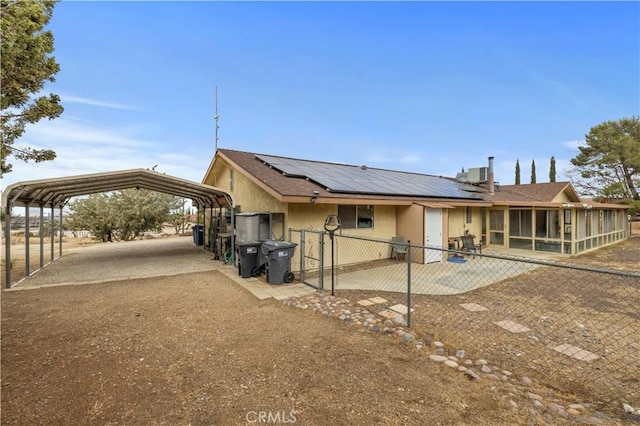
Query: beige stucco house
{"points": [[425, 209]]}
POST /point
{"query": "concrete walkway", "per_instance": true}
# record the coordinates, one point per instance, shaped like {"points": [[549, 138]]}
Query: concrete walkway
{"points": [[262, 290], [139, 259]]}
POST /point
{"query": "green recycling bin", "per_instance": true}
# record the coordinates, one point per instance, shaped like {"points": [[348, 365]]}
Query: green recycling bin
{"points": [[278, 256]]}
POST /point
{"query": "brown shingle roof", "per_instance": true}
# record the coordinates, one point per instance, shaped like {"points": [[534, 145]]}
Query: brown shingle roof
{"points": [[537, 192]]}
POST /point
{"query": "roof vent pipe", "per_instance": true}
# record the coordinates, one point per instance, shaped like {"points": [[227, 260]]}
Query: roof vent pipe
{"points": [[491, 185]]}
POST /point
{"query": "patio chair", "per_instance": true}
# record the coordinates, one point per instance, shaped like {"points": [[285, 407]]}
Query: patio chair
{"points": [[469, 245], [398, 248]]}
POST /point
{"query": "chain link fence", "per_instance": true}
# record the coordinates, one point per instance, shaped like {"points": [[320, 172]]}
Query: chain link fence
{"points": [[573, 328]]}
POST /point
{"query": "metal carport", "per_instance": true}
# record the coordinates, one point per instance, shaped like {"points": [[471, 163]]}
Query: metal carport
{"points": [[56, 192]]}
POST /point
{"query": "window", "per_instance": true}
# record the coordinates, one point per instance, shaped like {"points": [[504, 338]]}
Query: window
{"points": [[547, 224], [469, 214], [356, 217], [520, 223]]}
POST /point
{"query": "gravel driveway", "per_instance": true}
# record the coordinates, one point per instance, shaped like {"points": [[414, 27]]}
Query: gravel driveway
{"points": [[123, 260]]}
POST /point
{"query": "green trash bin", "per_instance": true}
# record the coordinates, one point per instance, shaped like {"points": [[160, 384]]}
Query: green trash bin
{"points": [[278, 256]]}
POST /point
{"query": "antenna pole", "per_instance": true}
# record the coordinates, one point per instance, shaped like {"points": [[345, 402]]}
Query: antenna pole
{"points": [[216, 118]]}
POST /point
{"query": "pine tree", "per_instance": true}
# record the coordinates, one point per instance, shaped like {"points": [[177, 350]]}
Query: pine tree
{"points": [[552, 170], [533, 171], [517, 172]]}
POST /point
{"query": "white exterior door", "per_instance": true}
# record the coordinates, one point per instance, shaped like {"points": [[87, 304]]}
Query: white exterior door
{"points": [[432, 234]]}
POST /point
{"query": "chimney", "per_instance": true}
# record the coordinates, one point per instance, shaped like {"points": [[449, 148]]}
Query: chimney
{"points": [[491, 189]]}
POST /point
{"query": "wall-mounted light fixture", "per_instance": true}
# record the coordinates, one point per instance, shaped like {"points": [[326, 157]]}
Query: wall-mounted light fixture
{"points": [[314, 199]]}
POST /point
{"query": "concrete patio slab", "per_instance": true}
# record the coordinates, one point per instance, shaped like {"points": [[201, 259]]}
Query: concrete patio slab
{"points": [[401, 309], [473, 307], [576, 352], [511, 326]]}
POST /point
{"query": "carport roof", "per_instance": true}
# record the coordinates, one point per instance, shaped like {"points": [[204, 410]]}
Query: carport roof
{"points": [[56, 192]]}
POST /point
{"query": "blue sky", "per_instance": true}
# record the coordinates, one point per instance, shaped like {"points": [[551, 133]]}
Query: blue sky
{"points": [[429, 87]]}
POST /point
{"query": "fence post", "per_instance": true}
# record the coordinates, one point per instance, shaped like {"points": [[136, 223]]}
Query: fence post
{"points": [[409, 283], [302, 254], [321, 270]]}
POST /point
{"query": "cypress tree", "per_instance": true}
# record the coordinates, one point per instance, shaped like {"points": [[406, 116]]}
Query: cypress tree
{"points": [[552, 170], [517, 172], [533, 171]]}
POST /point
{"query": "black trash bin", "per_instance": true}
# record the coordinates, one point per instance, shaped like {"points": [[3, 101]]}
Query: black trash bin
{"points": [[198, 234], [248, 252], [278, 256]]}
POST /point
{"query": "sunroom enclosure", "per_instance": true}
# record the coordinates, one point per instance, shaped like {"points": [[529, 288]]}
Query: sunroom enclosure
{"points": [[556, 230]]}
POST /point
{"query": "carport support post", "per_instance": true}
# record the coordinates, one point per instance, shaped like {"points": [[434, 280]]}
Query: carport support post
{"points": [[60, 242], [7, 246], [408, 283], [52, 231], [41, 233], [26, 241]]}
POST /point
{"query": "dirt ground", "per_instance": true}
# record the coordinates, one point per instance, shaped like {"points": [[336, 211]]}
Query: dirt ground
{"points": [[197, 349]]}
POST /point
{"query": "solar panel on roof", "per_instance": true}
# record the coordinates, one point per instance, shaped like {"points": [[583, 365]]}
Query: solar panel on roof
{"points": [[361, 180]]}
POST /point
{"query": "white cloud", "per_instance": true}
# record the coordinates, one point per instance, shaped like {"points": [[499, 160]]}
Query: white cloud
{"points": [[94, 102], [84, 147], [574, 145]]}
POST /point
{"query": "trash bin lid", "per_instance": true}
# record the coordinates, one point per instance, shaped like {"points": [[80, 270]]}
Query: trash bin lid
{"points": [[271, 245], [247, 243]]}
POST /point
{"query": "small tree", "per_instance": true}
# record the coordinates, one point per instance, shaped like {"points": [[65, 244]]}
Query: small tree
{"points": [[517, 172], [552, 170], [533, 171]]}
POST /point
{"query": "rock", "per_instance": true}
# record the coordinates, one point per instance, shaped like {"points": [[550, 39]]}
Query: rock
{"points": [[538, 404], [427, 339], [375, 328], [453, 358], [492, 377], [419, 346], [468, 362], [573, 412], [600, 415], [594, 420], [627, 408], [462, 368], [507, 373], [481, 362], [576, 406], [471, 374], [461, 353], [437, 358], [485, 369], [438, 344], [526, 380], [440, 351], [534, 396], [557, 409], [408, 337], [451, 363], [513, 404], [388, 323]]}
